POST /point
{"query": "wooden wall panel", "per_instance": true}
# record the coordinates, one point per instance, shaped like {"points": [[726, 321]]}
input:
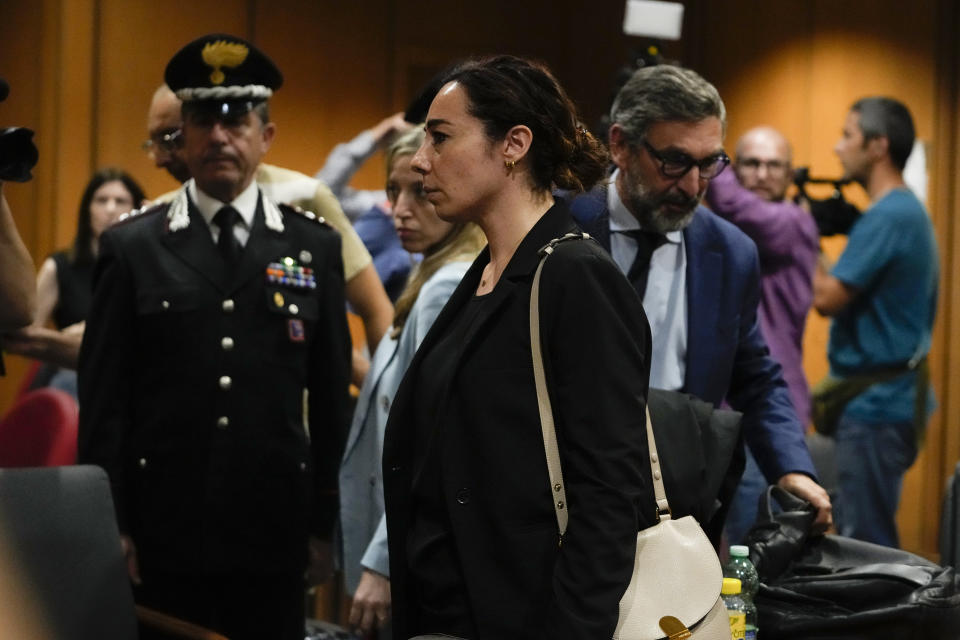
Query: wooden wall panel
{"points": [[946, 196], [336, 81]]}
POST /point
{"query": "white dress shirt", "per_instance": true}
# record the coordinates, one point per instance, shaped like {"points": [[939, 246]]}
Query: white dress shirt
{"points": [[245, 204], [665, 301]]}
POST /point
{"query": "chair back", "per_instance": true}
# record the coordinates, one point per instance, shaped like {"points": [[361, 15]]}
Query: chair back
{"points": [[40, 430], [59, 532]]}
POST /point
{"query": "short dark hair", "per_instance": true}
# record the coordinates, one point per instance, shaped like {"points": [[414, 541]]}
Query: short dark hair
{"points": [[506, 91], [882, 117], [83, 241]]}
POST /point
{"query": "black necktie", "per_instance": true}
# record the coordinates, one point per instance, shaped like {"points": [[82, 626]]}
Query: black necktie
{"points": [[647, 242], [227, 243]]}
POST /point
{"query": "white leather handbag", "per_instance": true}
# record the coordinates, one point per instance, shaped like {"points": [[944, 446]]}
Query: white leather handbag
{"points": [[675, 589]]}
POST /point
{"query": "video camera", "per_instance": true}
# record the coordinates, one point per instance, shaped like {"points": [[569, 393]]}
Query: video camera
{"points": [[18, 154], [833, 215]]}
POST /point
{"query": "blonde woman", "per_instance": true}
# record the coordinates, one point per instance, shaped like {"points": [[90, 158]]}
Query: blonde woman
{"points": [[448, 248]]}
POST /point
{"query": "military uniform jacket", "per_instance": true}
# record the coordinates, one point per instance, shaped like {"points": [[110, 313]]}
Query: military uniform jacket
{"points": [[192, 382]]}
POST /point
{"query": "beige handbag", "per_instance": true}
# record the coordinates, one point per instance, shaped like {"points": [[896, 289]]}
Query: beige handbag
{"points": [[675, 589]]}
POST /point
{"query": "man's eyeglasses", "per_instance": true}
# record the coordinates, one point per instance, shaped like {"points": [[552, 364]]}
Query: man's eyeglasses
{"points": [[676, 164], [167, 142], [775, 167]]}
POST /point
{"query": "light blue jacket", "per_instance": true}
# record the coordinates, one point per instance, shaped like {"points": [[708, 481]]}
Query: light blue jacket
{"points": [[362, 523]]}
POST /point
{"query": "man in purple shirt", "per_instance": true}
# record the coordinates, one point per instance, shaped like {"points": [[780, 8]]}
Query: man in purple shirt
{"points": [[752, 197]]}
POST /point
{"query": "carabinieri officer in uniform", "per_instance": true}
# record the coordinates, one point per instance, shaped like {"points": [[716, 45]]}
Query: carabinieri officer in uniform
{"points": [[215, 368]]}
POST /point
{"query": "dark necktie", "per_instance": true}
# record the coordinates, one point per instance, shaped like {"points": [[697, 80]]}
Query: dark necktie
{"points": [[647, 242], [227, 243]]}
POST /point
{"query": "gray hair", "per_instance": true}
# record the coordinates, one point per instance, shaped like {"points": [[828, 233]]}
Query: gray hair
{"points": [[882, 117], [665, 93]]}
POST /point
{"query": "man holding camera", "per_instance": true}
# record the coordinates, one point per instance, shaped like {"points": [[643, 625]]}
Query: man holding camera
{"points": [[215, 366], [753, 198], [882, 295]]}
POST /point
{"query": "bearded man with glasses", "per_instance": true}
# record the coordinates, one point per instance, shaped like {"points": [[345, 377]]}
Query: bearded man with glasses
{"points": [[698, 275]]}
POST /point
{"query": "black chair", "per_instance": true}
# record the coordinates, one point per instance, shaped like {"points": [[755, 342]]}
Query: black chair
{"points": [[58, 527], [60, 558], [950, 522]]}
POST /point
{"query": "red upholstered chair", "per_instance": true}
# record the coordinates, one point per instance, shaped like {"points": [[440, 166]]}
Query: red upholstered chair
{"points": [[40, 430]]}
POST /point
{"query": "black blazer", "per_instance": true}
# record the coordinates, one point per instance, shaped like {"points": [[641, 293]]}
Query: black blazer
{"points": [[191, 391], [521, 582]]}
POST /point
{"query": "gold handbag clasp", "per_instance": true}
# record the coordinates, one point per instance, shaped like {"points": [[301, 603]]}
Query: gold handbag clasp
{"points": [[674, 629]]}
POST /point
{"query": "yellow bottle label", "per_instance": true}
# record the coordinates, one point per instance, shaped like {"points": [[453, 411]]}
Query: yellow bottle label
{"points": [[738, 624]]}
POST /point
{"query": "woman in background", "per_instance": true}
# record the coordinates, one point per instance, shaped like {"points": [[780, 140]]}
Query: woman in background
{"points": [[447, 248], [65, 282], [474, 545]]}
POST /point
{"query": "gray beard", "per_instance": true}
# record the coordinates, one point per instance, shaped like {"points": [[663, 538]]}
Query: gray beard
{"points": [[649, 212]]}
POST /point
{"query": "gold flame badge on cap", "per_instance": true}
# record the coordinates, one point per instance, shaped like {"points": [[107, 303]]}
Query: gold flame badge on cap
{"points": [[223, 54]]}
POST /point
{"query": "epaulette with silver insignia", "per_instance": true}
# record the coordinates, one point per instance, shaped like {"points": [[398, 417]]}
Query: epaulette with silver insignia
{"points": [[130, 215], [310, 215]]}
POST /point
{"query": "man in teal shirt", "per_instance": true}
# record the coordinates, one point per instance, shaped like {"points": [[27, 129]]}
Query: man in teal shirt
{"points": [[882, 295]]}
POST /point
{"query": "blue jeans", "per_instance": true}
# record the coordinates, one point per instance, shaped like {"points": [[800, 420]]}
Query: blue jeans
{"points": [[871, 461], [743, 507]]}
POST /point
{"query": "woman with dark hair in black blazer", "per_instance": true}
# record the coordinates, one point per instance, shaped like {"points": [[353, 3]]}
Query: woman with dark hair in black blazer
{"points": [[474, 545]]}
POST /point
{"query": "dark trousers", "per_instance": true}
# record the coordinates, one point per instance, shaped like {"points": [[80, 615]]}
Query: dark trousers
{"points": [[240, 607]]}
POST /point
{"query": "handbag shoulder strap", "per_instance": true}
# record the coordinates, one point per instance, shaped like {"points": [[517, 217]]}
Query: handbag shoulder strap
{"points": [[547, 426]]}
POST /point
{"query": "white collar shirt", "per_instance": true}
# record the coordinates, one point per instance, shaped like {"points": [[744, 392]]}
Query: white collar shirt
{"points": [[665, 300], [245, 204]]}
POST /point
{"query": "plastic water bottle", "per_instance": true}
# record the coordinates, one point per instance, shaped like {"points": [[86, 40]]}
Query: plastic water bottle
{"points": [[741, 568], [736, 608]]}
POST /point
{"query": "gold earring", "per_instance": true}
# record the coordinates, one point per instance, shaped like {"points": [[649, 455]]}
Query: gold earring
{"points": [[509, 164]]}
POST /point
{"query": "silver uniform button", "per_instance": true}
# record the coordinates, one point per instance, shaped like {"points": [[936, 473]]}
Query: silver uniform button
{"points": [[165, 304], [143, 463], [225, 382], [228, 305], [385, 403], [294, 309], [223, 422], [226, 343], [303, 466]]}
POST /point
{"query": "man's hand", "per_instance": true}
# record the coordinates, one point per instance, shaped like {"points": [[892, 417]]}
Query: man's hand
{"points": [[61, 348], [320, 567], [804, 487], [130, 553], [371, 603], [359, 368]]}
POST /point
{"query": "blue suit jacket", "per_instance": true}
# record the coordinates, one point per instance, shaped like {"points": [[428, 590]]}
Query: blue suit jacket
{"points": [[727, 357]]}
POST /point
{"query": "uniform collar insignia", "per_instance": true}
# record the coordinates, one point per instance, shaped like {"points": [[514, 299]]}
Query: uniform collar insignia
{"points": [[271, 214], [178, 215]]}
